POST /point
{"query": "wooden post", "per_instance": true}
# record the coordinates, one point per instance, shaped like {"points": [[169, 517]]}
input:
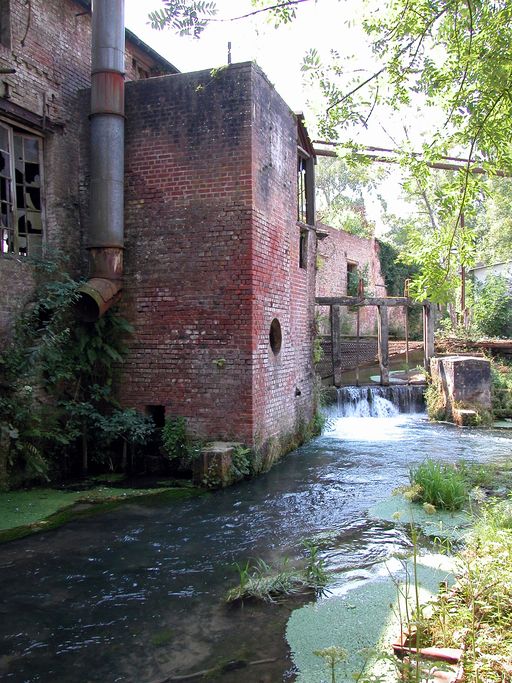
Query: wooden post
{"points": [[358, 331], [335, 315], [383, 342], [428, 335], [406, 326]]}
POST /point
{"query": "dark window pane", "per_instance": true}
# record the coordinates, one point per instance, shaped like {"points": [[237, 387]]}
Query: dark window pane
{"points": [[5, 168], [4, 214], [4, 138], [21, 223], [18, 149], [20, 197], [5, 190], [33, 198], [34, 221], [32, 174], [31, 149]]}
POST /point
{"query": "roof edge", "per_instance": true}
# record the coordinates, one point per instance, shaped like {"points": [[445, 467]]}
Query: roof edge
{"points": [[133, 38]]}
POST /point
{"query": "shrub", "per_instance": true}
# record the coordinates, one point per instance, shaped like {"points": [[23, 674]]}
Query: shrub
{"points": [[501, 388], [492, 308], [441, 485], [174, 437]]}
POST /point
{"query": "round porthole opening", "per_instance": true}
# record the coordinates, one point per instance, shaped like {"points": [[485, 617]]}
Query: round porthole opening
{"points": [[275, 336]]}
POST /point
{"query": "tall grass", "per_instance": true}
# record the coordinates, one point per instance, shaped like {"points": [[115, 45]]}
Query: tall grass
{"points": [[476, 614], [440, 485]]}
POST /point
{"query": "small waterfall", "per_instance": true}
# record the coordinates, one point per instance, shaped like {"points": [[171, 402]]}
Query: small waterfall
{"points": [[376, 401]]}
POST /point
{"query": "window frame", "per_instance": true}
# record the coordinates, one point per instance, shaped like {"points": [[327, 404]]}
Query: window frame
{"points": [[305, 188], [10, 234]]}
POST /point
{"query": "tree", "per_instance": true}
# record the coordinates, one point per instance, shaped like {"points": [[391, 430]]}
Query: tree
{"points": [[340, 190], [455, 55], [493, 223], [492, 310]]}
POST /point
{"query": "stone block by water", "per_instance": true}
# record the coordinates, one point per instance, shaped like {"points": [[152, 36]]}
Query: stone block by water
{"points": [[213, 468], [464, 384]]}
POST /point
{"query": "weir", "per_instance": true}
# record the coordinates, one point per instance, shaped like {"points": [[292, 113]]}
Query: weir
{"points": [[378, 401]]}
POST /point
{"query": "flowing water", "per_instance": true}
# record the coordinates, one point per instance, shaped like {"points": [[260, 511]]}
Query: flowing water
{"points": [[137, 594]]}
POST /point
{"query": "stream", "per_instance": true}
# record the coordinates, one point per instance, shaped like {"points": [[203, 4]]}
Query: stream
{"points": [[136, 594]]}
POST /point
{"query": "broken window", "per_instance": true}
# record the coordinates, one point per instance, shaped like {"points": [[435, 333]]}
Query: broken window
{"points": [[352, 279], [305, 189], [301, 190], [303, 249], [21, 221]]}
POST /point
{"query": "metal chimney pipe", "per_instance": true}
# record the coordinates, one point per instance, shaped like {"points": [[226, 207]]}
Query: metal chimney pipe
{"points": [[106, 218]]}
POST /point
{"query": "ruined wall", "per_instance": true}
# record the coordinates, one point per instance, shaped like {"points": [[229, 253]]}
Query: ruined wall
{"points": [[49, 46], [283, 382], [188, 285], [335, 251]]}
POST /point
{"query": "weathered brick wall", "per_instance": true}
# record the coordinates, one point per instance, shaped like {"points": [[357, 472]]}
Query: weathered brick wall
{"points": [[335, 251], [50, 50], [282, 383], [188, 285], [212, 256]]}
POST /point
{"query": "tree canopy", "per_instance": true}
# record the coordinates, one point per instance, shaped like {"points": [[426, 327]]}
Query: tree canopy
{"points": [[454, 55]]}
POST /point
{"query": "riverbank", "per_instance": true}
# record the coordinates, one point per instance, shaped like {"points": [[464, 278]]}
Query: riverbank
{"points": [[28, 511]]}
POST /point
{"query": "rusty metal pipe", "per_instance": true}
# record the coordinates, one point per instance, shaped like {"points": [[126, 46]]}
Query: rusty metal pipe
{"points": [[106, 219]]}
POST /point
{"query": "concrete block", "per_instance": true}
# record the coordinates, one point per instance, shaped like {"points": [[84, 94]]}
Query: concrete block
{"points": [[465, 385], [213, 467], [465, 418]]}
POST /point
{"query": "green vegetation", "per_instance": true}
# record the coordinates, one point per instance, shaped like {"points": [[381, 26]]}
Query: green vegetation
{"points": [[24, 512], [477, 614], [162, 638], [501, 389], [492, 307], [175, 440], [340, 189], [57, 411], [332, 656], [259, 581], [241, 463], [440, 485]]}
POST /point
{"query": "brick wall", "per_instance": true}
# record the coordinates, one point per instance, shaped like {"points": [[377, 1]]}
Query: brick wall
{"points": [[212, 256], [335, 251], [52, 67], [283, 383]]}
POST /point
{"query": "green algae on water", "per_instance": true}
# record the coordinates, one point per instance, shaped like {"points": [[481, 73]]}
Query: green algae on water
{"points": [[440, 523], [363, 621], [28, 511]]}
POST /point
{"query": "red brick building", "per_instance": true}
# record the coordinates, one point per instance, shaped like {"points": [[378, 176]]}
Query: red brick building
{"points": [[221, 301], [220, 244]]}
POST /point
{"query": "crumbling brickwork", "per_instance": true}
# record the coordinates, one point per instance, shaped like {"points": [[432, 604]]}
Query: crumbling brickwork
{"points": [[336, 252], [212, 257]]}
